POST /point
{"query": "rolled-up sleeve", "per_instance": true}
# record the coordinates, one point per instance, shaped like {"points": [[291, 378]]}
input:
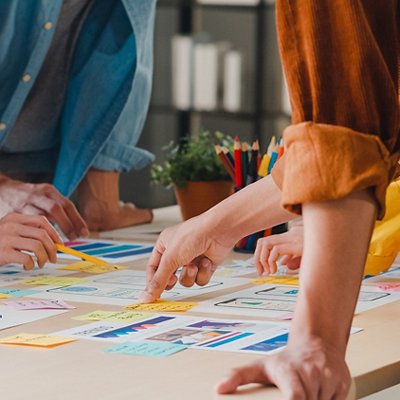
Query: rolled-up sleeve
{"points": [[326, 162]]}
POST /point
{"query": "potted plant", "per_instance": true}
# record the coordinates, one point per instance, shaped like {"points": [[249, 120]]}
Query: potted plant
{"points": [[194, 170]]}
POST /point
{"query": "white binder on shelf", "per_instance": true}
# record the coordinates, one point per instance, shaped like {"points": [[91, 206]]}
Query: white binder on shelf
{"points": [[182, 71], [205, 82], [232, 81]]}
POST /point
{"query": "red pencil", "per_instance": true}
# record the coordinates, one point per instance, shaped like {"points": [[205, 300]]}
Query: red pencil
{"points": [[237, 153]]}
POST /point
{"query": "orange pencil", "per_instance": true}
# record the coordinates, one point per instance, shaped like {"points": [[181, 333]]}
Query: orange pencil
{"points": [[281, 148]]}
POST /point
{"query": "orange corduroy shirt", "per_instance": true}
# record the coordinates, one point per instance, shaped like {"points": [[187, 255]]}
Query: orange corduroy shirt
{"points": [[341, 63]]}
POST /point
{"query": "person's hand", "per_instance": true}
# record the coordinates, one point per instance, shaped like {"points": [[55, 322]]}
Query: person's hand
{"points": [[309, 370], [269, 249], [31, 233], [191, 245], [41, 199]]}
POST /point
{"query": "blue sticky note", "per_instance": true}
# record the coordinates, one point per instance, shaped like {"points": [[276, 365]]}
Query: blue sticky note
{"points": [[18, 292], [150, 349]]}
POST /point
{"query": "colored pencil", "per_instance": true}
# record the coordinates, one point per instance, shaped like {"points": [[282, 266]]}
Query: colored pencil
{"points": [[263, 169], [255, 155], [237, 154], [225, 162], [79, 254], [228, 156], [281, 148], [274, 158], [245, 162]]}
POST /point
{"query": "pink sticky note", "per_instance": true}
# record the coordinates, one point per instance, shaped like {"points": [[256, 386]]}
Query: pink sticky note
{"points": [[39, 305], [389, 287]]}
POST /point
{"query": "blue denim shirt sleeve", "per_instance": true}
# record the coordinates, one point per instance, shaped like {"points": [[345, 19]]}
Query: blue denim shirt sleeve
{"points": [[109, 88]]}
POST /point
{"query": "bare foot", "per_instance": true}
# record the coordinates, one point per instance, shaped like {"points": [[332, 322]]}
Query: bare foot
{"points": [[100, 205]]}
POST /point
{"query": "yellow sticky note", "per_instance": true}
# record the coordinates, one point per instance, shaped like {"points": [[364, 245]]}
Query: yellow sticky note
{"points": [[4, 296], [278, 280], [50, 280], [163, 306], [38, 340], [113, 316], [90, 268]]}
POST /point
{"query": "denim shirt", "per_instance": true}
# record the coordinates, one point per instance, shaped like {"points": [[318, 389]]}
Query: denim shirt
{"points": [[109, 85]]}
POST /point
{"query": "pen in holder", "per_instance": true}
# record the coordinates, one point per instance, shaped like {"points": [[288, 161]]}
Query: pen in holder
{"points": [[245, 167]]}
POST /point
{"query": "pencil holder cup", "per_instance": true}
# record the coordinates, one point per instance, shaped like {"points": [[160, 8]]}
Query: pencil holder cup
{"points": [[248, 244]]}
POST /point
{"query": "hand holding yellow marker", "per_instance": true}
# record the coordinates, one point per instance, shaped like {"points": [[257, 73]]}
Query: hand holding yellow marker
{"points": [[79, 254]]}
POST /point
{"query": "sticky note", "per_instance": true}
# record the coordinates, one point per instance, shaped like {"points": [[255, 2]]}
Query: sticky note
{"points": [[4, 296], [163, 306], [113, 316], [50, 280], [278, 280], [9, 292], [389, 287], [151, 349], [39, 305], [38, 340], [91, 268]]}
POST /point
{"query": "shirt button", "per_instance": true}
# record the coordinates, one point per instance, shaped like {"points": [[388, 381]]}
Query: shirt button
{"points": [[3, 126], [26, 78], [47, 26]]}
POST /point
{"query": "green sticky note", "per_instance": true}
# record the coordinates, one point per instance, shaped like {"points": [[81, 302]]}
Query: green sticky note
{"points": [[150, 349]]}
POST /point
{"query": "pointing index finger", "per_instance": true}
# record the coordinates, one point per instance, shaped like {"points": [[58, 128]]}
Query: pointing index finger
{"points": [[158, 277]]}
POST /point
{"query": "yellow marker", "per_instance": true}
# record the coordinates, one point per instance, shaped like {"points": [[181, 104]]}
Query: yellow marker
{"points": [[79, 254]]}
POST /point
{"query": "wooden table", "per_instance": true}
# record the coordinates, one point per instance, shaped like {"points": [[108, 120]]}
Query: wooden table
{"points": [[82, 370]]}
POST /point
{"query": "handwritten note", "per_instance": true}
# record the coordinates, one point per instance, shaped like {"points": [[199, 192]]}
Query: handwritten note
{"points": [[151, 349], [389, 287], [91, 268], [163, 306], [50, 280], [39, 305], [37, 340], [113, 316], [278, 280]]}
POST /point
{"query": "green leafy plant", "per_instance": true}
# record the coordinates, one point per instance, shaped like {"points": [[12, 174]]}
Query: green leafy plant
{"points": [[194, 159]]}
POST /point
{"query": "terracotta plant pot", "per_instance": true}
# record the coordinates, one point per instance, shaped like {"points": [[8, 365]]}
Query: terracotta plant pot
{"points": [[197, 197]]}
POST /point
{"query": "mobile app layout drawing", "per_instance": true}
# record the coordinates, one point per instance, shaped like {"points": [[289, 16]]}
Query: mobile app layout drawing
{"points": [[275, 301], [124, 287], [137, 279], [110, 251]]}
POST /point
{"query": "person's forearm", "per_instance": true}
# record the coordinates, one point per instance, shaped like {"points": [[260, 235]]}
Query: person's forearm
{"points": [[336, 239], [250, 210]]}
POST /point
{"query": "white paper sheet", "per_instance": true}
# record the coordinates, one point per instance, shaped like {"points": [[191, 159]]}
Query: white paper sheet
{"points": [[10, 317]]}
